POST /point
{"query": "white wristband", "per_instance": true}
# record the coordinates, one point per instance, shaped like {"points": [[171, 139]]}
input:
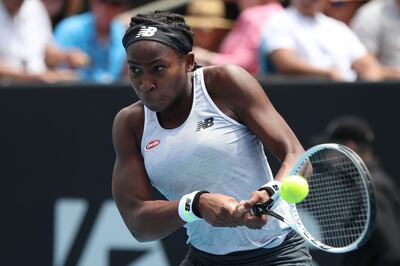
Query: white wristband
{"points": [[271, 187], [185, 210]]}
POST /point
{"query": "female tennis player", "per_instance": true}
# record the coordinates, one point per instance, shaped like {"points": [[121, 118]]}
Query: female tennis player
{"points": [[197, 135]]}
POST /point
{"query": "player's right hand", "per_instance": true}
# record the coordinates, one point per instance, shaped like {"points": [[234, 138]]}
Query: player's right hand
{"points": [[219, 210]]}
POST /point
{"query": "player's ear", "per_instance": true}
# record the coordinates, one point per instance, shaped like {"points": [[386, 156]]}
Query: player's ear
{"points": [[189, 61]]}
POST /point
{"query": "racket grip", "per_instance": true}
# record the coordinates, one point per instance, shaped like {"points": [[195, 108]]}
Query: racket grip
{"points": [[255, 210], [262, 208]]}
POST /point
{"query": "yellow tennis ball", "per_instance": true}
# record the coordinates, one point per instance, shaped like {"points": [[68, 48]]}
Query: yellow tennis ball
{"points": [[294, 189]]}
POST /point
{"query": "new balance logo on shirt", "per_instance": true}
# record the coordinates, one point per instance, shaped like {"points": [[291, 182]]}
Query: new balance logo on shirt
{"points": [[146, 31], [209, 122]]}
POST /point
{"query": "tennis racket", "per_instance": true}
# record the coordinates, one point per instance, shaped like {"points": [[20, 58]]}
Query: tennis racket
{"points": [[338, 214]]}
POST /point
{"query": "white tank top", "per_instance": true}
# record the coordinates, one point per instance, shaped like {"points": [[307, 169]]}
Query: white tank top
{"points": [[209, 151]]}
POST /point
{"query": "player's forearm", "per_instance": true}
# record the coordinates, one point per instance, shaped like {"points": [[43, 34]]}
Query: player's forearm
{"points": [[288, 163], [286, 147], [154, 220]]}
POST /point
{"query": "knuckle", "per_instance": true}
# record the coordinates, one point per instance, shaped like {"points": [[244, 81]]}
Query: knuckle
{"points": [[255, 193]]}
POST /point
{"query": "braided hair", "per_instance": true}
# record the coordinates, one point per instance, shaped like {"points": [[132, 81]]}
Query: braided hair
{"points": [[163, 17], [173, 23]]}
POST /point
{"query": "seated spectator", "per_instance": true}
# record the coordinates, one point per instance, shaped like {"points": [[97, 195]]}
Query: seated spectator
{"points": [[383, 247], [26, 49], [377, 24], [343, 10], [304, 41], [60, 9], [99, 36], [208, 23], [241, 45]]}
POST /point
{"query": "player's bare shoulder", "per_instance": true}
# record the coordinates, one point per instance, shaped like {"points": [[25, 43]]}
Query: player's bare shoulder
{"points": [[130, 121], [227, 78], [230, 83], [131, 115], [222, 76]]}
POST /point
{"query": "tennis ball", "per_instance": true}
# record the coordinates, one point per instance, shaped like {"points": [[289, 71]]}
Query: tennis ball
{"points": [[294, 189]]}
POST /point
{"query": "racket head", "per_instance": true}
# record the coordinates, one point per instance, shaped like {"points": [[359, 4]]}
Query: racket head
{"points": [[339, 212]]}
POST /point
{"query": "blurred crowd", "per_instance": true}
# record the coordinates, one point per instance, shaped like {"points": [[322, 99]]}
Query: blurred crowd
{"points": [[53, 41], [340, 40], [56, 41]]}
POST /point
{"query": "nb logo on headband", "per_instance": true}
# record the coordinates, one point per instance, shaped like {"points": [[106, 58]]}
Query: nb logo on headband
{"points": [[146, 32]]}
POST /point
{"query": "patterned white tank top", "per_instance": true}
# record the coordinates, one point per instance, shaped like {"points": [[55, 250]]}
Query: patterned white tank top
{"points": [[210, 151]]}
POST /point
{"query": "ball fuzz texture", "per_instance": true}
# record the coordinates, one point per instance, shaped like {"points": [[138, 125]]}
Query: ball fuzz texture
{"points": [[294, 189]]}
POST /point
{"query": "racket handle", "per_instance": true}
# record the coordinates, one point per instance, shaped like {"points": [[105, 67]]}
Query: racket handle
{"points": [[255, 210], [262, 208]]}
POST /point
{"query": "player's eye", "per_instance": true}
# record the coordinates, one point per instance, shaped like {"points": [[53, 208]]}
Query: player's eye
{"points": [[134, 69], [159, 68]]}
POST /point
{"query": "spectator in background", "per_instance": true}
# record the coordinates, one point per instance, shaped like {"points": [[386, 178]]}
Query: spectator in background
{"points": [[304, 41], [99, 36], [383, 248], [208, 23], [60, 9], [241, 45], [26, 49], [377, 25], [343, 10]]}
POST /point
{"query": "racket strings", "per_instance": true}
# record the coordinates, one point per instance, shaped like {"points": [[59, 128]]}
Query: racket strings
{"points": [[336, 209]]}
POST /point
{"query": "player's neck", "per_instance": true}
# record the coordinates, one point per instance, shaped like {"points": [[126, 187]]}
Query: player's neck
{"points": [[175, 115]]}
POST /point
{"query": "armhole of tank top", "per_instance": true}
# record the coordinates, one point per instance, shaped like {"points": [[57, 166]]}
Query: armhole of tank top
{"points": [[145, 120], [211, 102]]}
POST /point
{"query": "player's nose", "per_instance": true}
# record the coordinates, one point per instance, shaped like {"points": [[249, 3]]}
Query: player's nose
{"points": [[147, 83]]}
